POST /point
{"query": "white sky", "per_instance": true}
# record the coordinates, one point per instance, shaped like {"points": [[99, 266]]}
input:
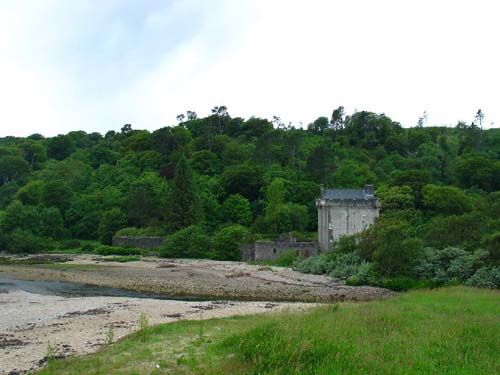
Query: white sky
{"points": [[95, 65]]}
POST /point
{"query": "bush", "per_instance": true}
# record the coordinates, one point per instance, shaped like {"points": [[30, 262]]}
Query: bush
{"points": [[492, 244], [88, 248], [346, 244], [111, 221], [392, 245], [346, 265], [287, 259], [486, 278], [69, 244], [190, 242], [24, 241], [317, 265], [226, 242], [448, 266]]}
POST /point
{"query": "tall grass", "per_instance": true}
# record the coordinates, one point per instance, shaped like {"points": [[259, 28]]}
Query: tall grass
{"points": [[445, 331]]}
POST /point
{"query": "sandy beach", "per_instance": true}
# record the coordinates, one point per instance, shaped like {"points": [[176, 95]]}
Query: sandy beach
{"points": [[32, 321], [29, 323]]}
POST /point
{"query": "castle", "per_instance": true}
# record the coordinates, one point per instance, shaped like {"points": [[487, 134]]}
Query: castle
{"points": [[343, 212]]}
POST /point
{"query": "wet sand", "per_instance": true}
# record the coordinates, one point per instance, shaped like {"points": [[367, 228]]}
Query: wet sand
{"points": [[203, 278]]}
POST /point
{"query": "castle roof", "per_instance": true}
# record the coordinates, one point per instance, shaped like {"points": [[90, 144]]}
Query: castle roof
{"points": [[352, 194]]}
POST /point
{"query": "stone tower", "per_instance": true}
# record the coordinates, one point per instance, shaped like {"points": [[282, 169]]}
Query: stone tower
{"points": [[342, 212]]}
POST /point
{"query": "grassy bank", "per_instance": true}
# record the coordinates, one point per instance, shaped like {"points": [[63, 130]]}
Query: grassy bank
{"points": [[446, 331]]}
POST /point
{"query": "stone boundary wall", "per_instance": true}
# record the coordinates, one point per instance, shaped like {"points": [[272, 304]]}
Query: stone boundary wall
{"points": [[272, 250], [139, 242]]}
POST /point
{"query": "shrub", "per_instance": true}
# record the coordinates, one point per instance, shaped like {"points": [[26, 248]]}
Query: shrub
{"points": [[24, 241], [392, 245], [345, 244], [448, 266], [227, 240], [486, 278], [88, 248], [287, 259], [190, 242], [317, 265], [111, 221], [69, 244], [492, 244], [346, 265]]}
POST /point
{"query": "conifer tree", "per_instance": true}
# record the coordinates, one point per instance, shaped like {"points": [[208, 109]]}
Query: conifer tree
{"points": [[184, 208]]}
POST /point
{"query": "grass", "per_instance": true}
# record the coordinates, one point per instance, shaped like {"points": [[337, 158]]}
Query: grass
{"points": [[452, 330], [285, 259]]}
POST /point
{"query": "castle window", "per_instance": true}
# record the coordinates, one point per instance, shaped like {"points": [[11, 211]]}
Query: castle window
{"points": [[275, 250]]}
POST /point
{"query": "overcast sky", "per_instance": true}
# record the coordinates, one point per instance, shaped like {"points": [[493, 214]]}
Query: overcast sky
{"points": [[95, 65]]}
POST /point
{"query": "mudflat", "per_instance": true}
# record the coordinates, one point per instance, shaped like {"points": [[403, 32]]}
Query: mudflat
{"points": [[201, 278]]}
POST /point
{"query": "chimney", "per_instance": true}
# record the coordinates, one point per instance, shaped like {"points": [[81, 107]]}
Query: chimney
{"points": [[370, 190], [321, 189]]}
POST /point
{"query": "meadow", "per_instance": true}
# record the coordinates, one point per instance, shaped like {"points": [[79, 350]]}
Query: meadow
{"points": [[454, 330]]}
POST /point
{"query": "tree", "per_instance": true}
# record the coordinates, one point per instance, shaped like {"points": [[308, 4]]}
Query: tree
{"points": [[243, 179], [143, 204], [236, 210], [19, 216], [445, 199], [12, 168], [52, 223], [392, 245], [111, 221], [60, 147], [337, 119], [227, 240], [184, 203], [56, 194], [190, 242]]}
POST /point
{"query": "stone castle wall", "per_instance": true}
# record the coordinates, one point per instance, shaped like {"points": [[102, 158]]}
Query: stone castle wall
{"points": [[272, 250], [343, 219]]}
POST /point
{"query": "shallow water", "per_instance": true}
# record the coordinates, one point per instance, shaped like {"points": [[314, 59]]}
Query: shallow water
{"points": [[63, 289]]}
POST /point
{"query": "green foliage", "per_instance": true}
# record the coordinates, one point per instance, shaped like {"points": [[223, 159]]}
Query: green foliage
{"points": [[111, 221], [286, 259], [190, 242], [448, 266], [24, 241], [236, 210], [491, 243], [420, 332], [445, 199], [225, 242], [437, 185], [184, 204], [392, 245], [12, 168], [60, 147], [485, 277], [56, 194]]}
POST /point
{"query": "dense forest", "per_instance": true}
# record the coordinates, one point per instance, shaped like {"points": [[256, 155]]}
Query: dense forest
{"points": [[211, 183]]}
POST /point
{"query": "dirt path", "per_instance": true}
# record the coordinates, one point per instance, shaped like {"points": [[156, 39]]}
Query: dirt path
{"points": [[213, 279]]}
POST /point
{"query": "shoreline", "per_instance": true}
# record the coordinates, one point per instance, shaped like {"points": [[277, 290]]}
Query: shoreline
{"points": [[206, 279], [81, 325]]}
